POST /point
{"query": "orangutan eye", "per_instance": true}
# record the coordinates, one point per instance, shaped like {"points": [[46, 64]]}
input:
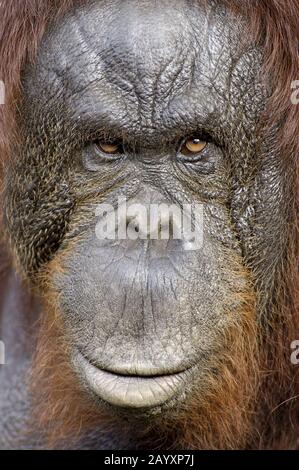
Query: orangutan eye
{"points": [[109, 148], [192, 147]]}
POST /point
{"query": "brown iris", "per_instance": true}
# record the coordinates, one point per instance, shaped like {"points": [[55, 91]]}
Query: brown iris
{"points": [[110, 148], [193, 146]]}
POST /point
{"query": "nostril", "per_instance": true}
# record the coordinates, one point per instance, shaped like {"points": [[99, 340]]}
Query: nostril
{"points": [[132, 223], [136, 227], [158, 228], [167, 228]]}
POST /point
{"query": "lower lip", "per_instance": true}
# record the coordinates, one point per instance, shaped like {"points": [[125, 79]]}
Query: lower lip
{"points": [[130, 391]]}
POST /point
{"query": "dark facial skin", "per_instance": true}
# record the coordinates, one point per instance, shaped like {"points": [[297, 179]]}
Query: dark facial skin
{"points": [[146, 319]]}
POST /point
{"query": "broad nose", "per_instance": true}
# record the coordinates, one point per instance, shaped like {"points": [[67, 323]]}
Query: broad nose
{"points": [[149, 216], [152, 223]]}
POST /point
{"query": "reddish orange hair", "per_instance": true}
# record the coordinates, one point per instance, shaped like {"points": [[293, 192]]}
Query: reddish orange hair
{"points": [[275, 25]]}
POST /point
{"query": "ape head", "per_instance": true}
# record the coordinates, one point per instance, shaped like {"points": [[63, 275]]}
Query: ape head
{"points": [[153, 103]]}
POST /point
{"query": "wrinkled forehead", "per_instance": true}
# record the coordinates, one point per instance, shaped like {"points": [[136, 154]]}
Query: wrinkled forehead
{"points": [[145, 66], [168, 39]]}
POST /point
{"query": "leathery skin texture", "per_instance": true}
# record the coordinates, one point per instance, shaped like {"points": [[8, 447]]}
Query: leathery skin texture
{"points": [[147, 321]]}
